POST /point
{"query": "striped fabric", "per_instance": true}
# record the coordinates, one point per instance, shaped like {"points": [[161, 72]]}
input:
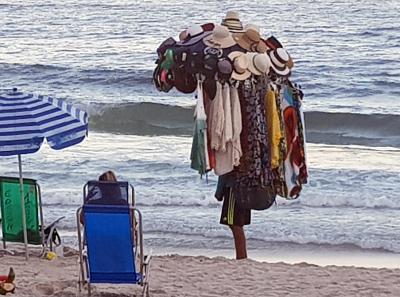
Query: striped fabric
{"points": [[26, 120]]}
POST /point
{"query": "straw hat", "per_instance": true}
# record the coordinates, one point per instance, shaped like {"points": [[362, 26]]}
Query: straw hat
{"points": [[192, 35], [232, 22], [280, 60], [220, 38], [240, 64], [251, 39], [258, 63]]}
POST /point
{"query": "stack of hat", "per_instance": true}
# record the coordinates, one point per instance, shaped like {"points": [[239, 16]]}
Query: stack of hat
{"points": [[215, 52]]}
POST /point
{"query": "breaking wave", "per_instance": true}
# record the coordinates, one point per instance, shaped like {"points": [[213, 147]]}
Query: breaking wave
{"points": [[321, 127]]}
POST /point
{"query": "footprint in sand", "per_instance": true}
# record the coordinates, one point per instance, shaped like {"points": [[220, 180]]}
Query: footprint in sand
{"points": [[45, 289]]}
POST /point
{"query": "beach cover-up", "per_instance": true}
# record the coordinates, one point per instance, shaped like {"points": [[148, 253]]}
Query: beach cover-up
{"points": [[198, 153]]}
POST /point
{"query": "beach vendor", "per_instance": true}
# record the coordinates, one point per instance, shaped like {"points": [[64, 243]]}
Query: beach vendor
{"points": [[248, 119]]}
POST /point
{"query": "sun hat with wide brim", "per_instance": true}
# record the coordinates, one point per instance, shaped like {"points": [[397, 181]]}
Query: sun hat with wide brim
{"points": [[192, 35], [220, 38], [250, 40], [279, 61], [232, 22], [258, 63], [240, 65]]}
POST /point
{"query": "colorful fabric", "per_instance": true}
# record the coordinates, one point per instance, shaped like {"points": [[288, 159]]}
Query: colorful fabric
{"points": [[274, 128], [254, 168], [294, 166]]}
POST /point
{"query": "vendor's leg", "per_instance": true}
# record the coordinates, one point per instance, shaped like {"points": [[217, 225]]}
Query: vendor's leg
{"points": [[240, 241], [235, 218]]}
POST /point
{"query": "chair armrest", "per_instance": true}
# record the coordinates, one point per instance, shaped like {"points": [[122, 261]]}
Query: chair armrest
{"points": [[147, 258], [49, 236], [55, 222]]}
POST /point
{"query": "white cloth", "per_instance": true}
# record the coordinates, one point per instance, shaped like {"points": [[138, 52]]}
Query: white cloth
{"points": [[230, 150], [227, 132], [236, 126], [217, 119]]}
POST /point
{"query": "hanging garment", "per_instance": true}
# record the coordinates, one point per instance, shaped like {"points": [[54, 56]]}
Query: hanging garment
{"points": [[217, 119], [274, 128], [198, 153], [294, 166], [254, 168], [208, 109], [224, 155], [297, 101], [236, 125], [227, 131]]}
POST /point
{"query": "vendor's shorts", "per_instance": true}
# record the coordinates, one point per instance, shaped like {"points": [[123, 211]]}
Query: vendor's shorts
{"points": [[231, 214]]}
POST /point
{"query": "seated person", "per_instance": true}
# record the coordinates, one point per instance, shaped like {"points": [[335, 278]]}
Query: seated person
{"points": [[106, 193]]}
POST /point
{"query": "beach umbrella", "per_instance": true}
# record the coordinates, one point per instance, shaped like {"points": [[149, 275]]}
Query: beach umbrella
{"points": [[26, 120]]}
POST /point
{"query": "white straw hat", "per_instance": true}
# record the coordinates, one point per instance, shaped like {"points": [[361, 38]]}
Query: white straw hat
{"points": [[192, 35], [258, 63], [220, 38], [279, 61], [240, 65], [232, 22], [251, 39]]}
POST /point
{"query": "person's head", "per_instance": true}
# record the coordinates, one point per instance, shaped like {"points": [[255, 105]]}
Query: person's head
{"points": [[108, 176]]}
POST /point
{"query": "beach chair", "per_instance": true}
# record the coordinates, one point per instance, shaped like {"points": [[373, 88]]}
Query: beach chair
{"points": [[108, 250], [11, 214]]}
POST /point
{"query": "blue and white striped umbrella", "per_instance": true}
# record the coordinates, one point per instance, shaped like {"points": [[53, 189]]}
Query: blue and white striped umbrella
{"points": [[27, 119]]}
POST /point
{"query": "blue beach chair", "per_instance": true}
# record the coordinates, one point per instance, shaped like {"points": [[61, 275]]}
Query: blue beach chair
{"points": [[108, 250]]}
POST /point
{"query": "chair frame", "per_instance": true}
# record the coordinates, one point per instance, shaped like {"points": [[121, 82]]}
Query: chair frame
{"points": [[46, 244], [144, 261]]}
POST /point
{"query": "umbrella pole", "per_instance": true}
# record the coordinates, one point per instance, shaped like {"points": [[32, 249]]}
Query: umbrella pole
{"points": [[21, 188]]}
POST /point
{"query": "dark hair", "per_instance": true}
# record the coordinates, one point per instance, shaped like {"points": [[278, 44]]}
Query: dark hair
{"points": [[108, 176]]}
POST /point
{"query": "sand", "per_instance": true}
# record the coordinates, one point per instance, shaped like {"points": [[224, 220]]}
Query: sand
{"points": [[176, 275]]}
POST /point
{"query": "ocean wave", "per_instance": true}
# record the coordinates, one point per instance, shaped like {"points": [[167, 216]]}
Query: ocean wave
{"points": [[74, 75], [142, 119], [321, 127]]}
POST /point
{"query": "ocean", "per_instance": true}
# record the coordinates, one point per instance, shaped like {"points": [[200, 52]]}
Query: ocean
{"points": [[100, 55]]}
